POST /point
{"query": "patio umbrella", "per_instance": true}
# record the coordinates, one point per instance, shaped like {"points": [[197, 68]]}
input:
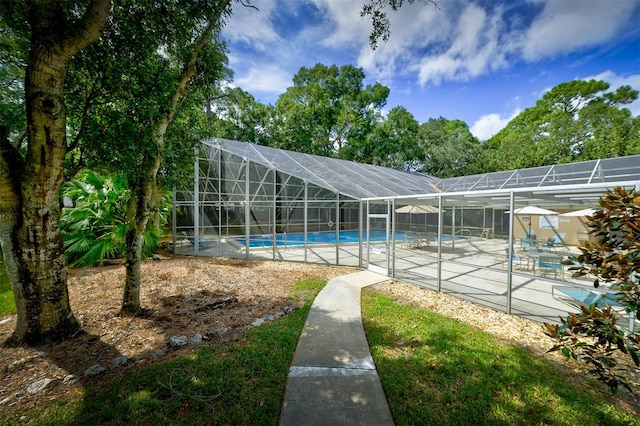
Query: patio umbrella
{"points": [[417, 209], [533, 210], [583, 212], [580, 214]]}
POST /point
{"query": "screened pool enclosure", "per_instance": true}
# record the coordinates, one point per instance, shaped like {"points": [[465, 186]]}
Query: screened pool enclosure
{"points": [[455, 235], [250, 200]]}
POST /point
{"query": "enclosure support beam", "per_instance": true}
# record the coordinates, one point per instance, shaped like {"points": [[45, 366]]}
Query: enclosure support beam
{"points": [[393, 216], [174, 216], [247, 209], [196, 204], [453, 229], [337, 225], [360, 233], [226, 222], [306, 216], [274, 225], [510, 252], [440, 229]]}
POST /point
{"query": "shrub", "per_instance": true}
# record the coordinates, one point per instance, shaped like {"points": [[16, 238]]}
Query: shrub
{"points": [[93, 228], [593, 335]]}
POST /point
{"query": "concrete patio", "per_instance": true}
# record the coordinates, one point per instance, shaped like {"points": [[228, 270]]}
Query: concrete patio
{"points": [[473, 269]]}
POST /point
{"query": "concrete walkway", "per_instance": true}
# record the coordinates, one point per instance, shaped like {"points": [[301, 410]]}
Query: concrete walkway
{"points": [[332, 379]]}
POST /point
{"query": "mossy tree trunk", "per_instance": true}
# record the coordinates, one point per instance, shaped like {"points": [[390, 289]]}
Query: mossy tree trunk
{"points": [[30, 184]]}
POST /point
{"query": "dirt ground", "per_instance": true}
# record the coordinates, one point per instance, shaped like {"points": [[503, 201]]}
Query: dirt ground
{"points": [[215, 298]]}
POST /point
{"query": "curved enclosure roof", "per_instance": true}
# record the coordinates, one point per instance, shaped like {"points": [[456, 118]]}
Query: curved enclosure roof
{"points": [[571, 184], [355, 180]]}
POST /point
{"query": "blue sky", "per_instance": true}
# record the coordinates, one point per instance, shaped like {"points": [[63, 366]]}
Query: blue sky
{"points": [[479, 61]]}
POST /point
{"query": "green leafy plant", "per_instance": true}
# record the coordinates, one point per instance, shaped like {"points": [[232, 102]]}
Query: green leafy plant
{"points": [[593, 335], [93, 228]]}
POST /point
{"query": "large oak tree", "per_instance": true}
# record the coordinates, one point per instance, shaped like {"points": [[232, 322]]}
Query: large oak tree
{"points": [[30, 176], [575, 121]]}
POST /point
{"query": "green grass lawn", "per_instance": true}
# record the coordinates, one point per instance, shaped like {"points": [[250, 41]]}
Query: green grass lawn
{"points": [[240, 384], [437, 370], [7, 304]]}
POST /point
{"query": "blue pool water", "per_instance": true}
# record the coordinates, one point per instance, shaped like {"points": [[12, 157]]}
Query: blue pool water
{"points": [[297, 239]]}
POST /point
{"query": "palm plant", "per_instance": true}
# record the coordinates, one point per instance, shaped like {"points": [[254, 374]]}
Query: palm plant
{"points": [[93, 228]]}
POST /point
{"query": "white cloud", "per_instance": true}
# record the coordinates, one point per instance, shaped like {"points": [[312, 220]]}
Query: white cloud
{"points": [[490, 124], [413, 28], [251, 26], [569, 25], [462, 40], [474, 50], [265, 78], [350, 28]]}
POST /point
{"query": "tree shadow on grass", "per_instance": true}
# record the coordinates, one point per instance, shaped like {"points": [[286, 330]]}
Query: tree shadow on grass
{"points": [[146, 386], [241, 382]]}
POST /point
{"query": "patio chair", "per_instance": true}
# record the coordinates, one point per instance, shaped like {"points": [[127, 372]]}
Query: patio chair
{"points": [[528, 241], [409, 240], [425, 239], [550, 263], [551, 244], [515, 257]]}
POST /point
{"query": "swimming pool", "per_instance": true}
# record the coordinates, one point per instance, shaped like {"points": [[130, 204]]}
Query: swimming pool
{"points": [[318, 238], [297, 239]]}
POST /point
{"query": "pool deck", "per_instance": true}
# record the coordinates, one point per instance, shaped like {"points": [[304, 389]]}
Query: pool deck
{"points": [[473, 270]]}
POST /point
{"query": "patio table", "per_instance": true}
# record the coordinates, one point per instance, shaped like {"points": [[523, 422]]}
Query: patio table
{"points": [[535, 255]]}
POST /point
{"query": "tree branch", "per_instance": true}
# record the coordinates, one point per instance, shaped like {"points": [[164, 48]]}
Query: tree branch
{"points": [[88, 29], [189, 69], [248, 4], [380, 19]]}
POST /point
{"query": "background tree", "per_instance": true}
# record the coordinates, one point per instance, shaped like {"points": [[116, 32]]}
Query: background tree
{"points": [[392, 141], [30, 182], [447, 148], [574, 121], [235, 114], [326, 109], [611, 131], [592, 335]]}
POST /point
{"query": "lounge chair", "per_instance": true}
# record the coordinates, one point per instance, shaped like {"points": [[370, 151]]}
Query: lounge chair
{"points": [[409, 240], [425, 239], [584, 296]]}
